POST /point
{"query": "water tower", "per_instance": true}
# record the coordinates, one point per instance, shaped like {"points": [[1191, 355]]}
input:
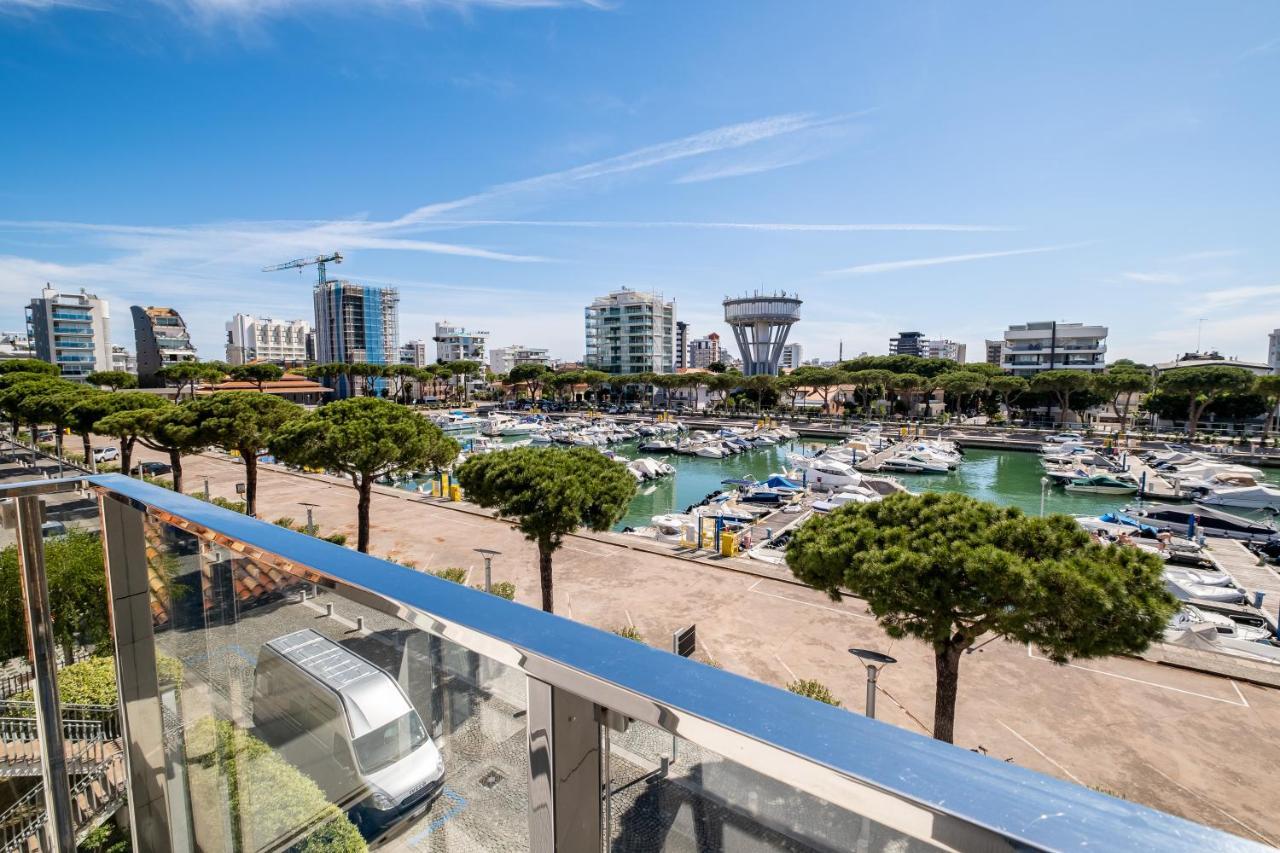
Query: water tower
{"points": [[760, 324]]}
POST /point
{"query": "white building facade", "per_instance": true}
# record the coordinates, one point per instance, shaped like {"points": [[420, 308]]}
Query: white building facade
{"points": [[944, 348], [1273, 351], [502, 359], [71, 330], [287, 343], [454, 343], [792, 357], [630, 331], [1032, 348], [415, 353]]}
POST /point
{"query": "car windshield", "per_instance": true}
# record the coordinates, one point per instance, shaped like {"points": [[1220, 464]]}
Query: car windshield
{"points": [[388, 744]]}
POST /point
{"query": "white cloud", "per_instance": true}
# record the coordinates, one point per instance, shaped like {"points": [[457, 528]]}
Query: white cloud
{"points": [[729, 226], [1153, 277], [1209, 255], [725, 138], [243, 10], [1215, 299], [735, 170], [893, 266]]}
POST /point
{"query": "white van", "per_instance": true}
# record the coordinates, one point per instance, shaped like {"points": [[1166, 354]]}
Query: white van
{"points": [[349, 726]]}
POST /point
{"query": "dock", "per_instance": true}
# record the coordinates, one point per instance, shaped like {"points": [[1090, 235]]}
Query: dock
{"points": [[1249, 571], [875, 460], [1155, 485]]}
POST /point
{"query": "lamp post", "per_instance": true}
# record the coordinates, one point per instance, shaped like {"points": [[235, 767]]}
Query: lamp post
{"points": [[874, 661], [488, 554], [311, 527]]}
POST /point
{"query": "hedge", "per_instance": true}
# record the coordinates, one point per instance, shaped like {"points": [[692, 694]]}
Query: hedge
{"points": [[270, 799], [92, 681]]}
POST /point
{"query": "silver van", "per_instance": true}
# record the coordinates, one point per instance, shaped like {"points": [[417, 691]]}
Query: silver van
{"points": [[349, 726]]}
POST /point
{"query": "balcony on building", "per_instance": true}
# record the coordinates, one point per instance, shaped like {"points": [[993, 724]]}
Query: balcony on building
{"points": [[280, 692]]}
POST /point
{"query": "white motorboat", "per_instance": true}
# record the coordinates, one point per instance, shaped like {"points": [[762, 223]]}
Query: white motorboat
{"points": [[1104, 484], [1191, 617], [1246, 497], [1202, 520], [671, 525], [711, 451], [457, 422], [1185, 584], [828, 473], [914, 462]]}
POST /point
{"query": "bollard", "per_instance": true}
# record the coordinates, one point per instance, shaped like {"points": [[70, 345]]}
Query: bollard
{"points": [[359, 623], [1258, 595], [328, 609]]}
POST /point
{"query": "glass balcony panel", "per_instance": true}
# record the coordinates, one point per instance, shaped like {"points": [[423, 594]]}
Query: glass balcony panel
{"points": [[302, 718], [705, 801]]}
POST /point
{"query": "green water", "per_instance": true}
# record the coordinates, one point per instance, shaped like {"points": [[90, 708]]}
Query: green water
{"points": [[1006, 477]]}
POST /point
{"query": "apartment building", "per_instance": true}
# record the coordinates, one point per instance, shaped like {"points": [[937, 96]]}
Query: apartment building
{"points": [[704, 352], [503, 359], [288, 343], [356, 324], [71, 330], [944, 348], [630, 331], [908, 343], [454, 343], [160, 339], [792, 357], [1030, 348]]}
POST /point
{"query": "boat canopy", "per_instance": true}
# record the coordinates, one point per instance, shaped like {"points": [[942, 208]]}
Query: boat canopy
{"points": [[1121, 518], [779, 482]]}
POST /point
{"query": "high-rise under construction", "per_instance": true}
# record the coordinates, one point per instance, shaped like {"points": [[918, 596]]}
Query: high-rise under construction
{"points": [[356, 324]]}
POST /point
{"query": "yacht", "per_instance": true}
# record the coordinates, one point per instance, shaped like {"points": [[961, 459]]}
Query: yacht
{"points": [[1245, 497], [914, 462], [828, 473], [1195, 520], [1104, 484], [457, 422]]}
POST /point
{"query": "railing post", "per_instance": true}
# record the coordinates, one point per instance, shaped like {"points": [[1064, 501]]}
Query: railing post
{"points": [[133, 632], [44, 662], [564, 771]]}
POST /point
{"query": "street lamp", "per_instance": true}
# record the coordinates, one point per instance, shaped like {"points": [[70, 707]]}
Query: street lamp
{"points": [[874, 662], [488, 554], [311, 527]]}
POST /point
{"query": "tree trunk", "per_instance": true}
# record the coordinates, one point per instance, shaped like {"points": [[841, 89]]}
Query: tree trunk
{"points": [[1193, 417], [544, 573], [947, 665], [175, 462], [88, 453], [34, 432], [250, 482], [126, 457], [364, 486]]}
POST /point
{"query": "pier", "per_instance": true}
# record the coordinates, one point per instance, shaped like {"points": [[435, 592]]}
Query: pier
{"points": [[1155, 486]]}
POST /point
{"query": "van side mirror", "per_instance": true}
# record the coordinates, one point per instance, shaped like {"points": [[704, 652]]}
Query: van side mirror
{"points": [[341, 754]]}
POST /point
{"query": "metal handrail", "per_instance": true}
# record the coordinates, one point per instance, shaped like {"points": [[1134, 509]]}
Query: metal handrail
{"points": [[904, 781]]}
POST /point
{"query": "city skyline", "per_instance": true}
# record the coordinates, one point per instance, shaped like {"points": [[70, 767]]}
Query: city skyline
{"points": [[1095, 165]]}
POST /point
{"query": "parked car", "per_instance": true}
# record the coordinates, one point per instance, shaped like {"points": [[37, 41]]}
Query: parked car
{"points": [[152, 469], [106, 454], [53, 528]]}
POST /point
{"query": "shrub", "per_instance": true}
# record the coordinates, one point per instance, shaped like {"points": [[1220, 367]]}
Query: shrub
{"points": [[813, 689], [336, 538], [453, 573], [270, 800], [630, 632], [502, 589], [156, 481], [286, 522], [92, 681]]}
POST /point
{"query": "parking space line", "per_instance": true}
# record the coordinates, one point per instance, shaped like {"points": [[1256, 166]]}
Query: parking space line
{"points": [[810, 604], [789, 670], [1240, 704], [1039, 752], [1228, 814]]}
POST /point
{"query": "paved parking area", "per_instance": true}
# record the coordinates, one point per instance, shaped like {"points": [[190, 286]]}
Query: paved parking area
{"points": [[1192, 744]]}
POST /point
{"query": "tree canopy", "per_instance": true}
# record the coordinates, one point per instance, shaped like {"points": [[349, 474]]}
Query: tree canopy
{"points": [[242, 421], [1201, 386], [112, 379], [128, 420], [77, 594], [551, 492], [1061, 384], [364, 438], [948, 569], [258, 372], [29, 365]]}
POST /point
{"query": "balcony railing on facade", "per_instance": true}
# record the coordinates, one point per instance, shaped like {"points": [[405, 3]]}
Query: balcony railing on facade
{"points": [[521, 730]]}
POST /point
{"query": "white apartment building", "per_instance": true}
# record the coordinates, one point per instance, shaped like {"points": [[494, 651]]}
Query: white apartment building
{"points": [[704, 352], [502, 359], [454, 343], [287, 343], [1273, 351], [123, 360], [629, 331], [792, 357], [1031, 348], [15, 345], [944, 348], [414, 353], [71, 330]]}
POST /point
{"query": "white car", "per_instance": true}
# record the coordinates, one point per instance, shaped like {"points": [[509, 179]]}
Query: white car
{"points": [[106, 454]]}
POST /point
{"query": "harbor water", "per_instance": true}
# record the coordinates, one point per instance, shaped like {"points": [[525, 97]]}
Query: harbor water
{"points": [[1005, 477]]}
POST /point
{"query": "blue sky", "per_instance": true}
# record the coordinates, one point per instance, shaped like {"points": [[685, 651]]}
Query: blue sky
{"points": [[945, 167]]}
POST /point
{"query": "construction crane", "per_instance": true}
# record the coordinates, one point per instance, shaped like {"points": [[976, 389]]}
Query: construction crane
{"points": [[319, 261]]}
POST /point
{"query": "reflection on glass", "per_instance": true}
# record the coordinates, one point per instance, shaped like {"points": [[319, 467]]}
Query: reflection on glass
{"points": [[301, 719], [702, 801]]}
